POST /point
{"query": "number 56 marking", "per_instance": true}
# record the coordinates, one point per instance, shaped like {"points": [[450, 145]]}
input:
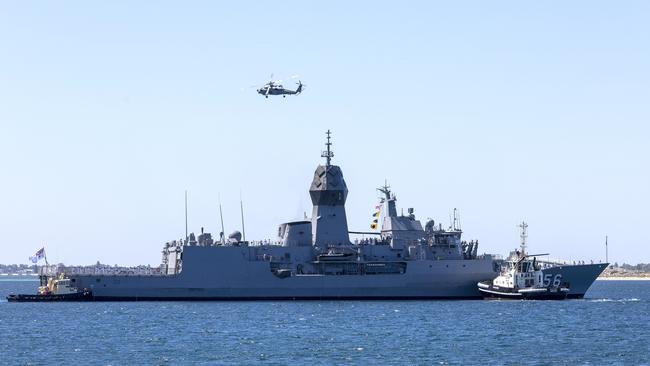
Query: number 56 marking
{"points": [[549, 278]]}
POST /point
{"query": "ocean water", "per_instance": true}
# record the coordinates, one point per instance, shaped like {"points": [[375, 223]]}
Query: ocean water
{"points": [[611, 326]]}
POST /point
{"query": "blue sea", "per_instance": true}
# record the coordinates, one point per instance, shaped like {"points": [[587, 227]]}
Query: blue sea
{"points": [[611, 326]]}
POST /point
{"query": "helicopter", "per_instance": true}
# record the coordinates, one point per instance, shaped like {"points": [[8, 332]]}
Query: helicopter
{"points": [[275, 88]]}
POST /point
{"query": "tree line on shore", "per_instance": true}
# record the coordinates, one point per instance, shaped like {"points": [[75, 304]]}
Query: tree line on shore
{"points": [[641, 267]]}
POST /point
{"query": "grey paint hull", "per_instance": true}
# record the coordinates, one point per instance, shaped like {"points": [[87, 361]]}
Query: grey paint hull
{"points": [[262, 284], [577, 277], [228, 275]]}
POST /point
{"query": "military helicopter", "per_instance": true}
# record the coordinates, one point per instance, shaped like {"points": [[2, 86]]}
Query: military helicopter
{"points": [[276, 88]]}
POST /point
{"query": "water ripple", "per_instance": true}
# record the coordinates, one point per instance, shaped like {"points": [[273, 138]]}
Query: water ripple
{"points": [[608, 327]]}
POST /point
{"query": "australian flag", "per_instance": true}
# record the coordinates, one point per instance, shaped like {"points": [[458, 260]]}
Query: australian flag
{"points": [[40, 254]]}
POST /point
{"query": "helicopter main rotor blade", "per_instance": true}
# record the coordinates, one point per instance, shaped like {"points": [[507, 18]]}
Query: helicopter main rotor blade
{"points": [[292, 77]]}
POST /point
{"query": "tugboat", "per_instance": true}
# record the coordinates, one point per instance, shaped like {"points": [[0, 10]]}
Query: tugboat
{"points": [[522, 277], [54, 290]]}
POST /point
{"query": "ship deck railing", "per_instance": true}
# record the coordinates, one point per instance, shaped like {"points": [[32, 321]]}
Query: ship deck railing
{"points": [[262, 243], [497, 257], [552, 262], [55, 270]]}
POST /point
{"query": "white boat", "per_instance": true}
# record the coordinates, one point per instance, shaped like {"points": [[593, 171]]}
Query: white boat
{"points": [[522, 277]]}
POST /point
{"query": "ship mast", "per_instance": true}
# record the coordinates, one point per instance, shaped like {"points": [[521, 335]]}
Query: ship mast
{"points": [[222, 235], [186, 237], [390, 199], [329, 154], [241, 206], [385, 189], [524, 235]]}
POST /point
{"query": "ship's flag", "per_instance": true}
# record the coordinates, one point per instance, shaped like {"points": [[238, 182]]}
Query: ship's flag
{"points": [[40, 254], [376, 215]]}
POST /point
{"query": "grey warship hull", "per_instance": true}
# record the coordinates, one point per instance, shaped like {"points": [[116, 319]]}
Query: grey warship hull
{"points": [[578, 277], [230, 275]]}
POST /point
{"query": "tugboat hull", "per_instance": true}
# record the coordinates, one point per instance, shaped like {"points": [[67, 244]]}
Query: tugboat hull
{"points": [[78, 296], [489, 291]]}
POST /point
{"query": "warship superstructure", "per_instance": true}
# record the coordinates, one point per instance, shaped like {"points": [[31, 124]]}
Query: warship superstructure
{"points": [[314, 259]]}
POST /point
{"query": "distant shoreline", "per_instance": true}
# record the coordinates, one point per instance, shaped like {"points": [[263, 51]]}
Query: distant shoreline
{"points": [[630, 278]]}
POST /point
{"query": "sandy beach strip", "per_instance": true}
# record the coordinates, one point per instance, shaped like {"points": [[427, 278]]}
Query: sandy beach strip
{"points": [[612, 278]]}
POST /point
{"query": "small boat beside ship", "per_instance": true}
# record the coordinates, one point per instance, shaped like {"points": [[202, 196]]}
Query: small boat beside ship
{"points": [[55, 289], [522, 278]]}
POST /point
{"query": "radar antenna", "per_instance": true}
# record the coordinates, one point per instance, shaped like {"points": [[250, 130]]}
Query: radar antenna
{"points": [[385, 189], [328, 154], [524, 235], [456, 225]]}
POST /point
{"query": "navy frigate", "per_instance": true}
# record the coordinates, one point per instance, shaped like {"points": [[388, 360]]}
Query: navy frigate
{"points": [[313, 259]]}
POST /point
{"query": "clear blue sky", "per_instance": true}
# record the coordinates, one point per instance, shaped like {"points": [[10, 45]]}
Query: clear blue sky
{"points": [[508, 111]]}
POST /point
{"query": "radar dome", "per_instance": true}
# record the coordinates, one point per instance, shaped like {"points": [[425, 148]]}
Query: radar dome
{"points": [[235, 237]]}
